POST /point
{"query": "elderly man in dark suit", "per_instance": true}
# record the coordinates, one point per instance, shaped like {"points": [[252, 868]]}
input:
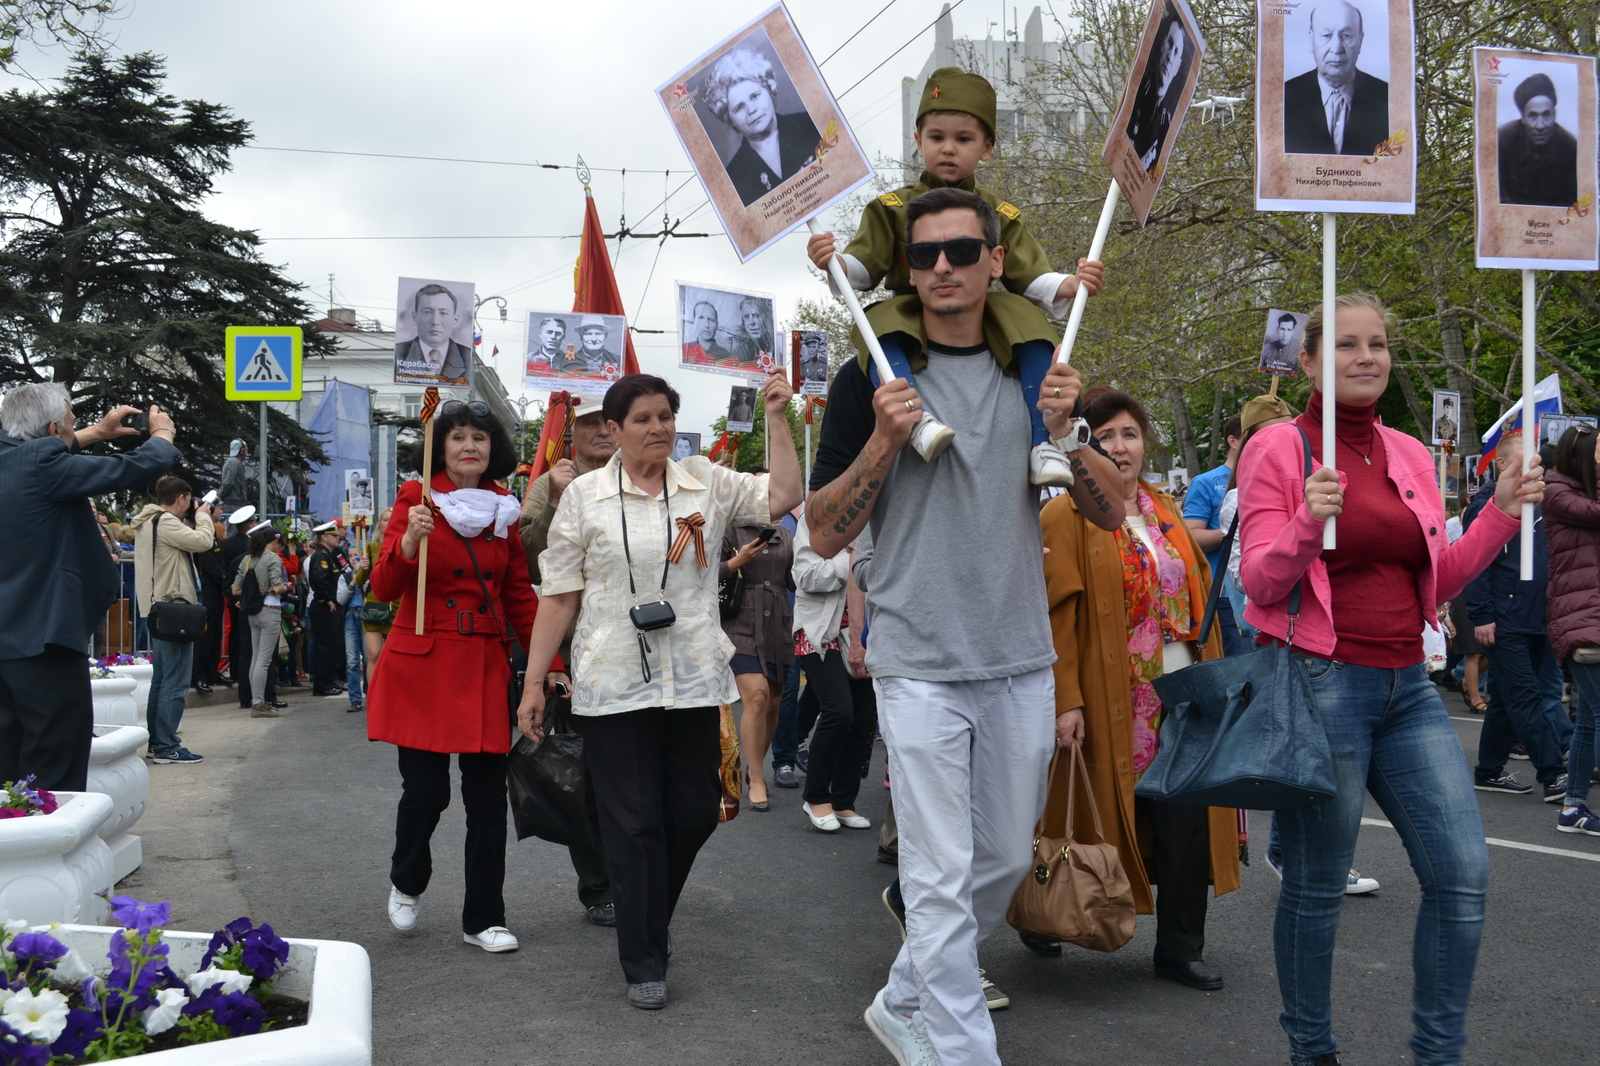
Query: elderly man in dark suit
{"points": [[1335, 109], [60, 581]]}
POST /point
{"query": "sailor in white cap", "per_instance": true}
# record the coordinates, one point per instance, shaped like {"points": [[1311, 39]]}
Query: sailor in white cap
{"points": [[243, 515]]}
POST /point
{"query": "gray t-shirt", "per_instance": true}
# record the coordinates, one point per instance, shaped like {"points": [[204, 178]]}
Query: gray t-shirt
{"points": [[957, 573]]}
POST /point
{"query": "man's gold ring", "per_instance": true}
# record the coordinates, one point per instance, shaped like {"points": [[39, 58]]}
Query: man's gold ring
{"points": [[910, 406], [1058, 392]]}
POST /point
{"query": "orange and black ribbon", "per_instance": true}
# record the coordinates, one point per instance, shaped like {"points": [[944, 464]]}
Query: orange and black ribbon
{"points": [[430, 404], [819, 402], [687, 528]]}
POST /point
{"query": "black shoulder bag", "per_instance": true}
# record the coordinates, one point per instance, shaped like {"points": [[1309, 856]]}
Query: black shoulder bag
{"points": [[175, 621], [251, 598], [1242, 731], [647, 617]]}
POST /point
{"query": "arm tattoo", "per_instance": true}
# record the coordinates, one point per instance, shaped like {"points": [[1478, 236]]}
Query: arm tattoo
{"points": [[1081, 472], [842, 502]]}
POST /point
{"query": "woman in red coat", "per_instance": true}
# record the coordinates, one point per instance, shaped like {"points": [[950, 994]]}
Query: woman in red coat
{"points": [[444, 692]]}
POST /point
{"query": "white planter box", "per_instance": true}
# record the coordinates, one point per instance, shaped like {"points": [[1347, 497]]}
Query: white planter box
{"points": [[335, 976], [52, 865], [114, 702], [116, 770], [141, 674]]}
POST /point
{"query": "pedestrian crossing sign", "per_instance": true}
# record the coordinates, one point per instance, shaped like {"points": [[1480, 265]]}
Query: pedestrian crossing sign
{"points": [[263, 363]]}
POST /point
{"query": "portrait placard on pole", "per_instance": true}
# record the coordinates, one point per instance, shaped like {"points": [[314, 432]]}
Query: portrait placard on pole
{"points": [[1280, 348], [1534, 115], [1446, 417], [764, 133], [810, 361], [742, 409], [728, 331], [1336, 107], [1160, 86], [433, 333]]}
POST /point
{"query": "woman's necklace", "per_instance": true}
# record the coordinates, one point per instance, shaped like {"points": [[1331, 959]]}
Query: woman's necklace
{"points": [[1366, 456]]}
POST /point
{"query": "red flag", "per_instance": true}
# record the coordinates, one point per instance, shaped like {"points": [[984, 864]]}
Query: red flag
{"points": [[595, 291]]}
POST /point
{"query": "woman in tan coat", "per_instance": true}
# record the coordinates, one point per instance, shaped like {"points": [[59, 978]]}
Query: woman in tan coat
{"points": [[1126, 606]]}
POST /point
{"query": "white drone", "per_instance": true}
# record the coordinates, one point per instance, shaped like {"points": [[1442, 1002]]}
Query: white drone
{"points": [[1212, 104]]}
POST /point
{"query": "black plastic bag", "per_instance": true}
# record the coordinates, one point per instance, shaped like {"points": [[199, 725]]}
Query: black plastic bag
{"points": [[550, 793]]}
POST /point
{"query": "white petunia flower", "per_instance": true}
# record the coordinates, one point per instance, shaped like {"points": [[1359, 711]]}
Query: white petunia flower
{"points": [[13, 926], [71, 968], [38, 1016], [230, 980], [164, 1015]]}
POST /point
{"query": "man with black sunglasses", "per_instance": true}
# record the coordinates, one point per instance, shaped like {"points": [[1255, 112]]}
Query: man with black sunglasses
{"points": [[961, 649]]}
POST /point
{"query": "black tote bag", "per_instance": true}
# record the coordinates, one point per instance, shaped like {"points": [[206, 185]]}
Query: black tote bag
{"points": [[1242, 731], [550, 785]]}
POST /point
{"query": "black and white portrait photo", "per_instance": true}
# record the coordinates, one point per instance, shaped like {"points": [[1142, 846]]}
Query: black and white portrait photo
{"points": [[754, 117], [685, 445], [742, 409], [433, 333], [573, 351], [812, 353], [1538, 151], [361, 495], [1178, 480], [727, 330], [1161, 87], [1446, 416], [1280, 351], [1336, 78]]}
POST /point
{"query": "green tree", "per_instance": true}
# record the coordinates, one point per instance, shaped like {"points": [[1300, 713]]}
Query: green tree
{"points": [[112, 280], [50, 22]]}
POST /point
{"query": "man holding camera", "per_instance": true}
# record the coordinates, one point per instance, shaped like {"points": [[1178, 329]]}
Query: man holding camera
{"points": [[167, 536], [60, 581]]}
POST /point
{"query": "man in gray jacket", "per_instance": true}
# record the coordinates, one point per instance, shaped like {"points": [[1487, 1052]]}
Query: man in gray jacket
{"points": [[60, 580]]}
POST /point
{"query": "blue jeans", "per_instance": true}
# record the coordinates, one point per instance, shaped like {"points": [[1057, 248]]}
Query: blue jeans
{"points": [[1391, 736], [1233, 642], [1581, 757], [1525, 681], [355, 652], [786, 738], [172, 663]]}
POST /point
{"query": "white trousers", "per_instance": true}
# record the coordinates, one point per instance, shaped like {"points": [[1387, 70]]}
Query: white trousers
{"points": [[967, 765]]}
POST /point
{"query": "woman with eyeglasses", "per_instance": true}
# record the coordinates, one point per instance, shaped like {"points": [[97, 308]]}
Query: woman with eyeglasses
{"points": [[633, 553], [442, 692]]}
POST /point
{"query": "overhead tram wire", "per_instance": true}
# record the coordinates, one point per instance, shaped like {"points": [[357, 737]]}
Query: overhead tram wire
{"points": [[446, 159], [897, 51], [858, 33]]}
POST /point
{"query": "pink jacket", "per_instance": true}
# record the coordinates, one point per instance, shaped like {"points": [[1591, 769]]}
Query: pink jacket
{"points": [[1280, 541]]}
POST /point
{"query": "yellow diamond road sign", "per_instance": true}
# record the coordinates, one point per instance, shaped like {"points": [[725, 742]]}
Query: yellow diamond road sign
{"points": [[263, 363]]}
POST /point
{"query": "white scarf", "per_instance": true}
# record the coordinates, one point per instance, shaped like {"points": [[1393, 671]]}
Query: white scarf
{"points": [[470, 511]]}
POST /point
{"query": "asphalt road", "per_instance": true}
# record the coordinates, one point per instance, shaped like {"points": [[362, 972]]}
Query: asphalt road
{"points": [[781, 940]]}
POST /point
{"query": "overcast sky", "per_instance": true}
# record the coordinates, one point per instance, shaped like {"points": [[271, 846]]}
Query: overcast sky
{"points": [[498, 80]]}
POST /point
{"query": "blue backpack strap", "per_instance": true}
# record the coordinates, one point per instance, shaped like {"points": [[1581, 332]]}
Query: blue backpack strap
{"points": [[1034, 359], [895, 353]]}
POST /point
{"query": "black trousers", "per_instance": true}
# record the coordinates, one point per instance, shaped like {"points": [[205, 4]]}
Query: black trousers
{"points": [[208, 649], [424, 794], [327, 629], [46, 719], [1181, 838], [657, 784], [843, 739]]}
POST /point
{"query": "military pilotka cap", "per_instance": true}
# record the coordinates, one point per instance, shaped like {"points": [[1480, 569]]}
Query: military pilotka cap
{"points": [[953, 89], [1259, 409]]}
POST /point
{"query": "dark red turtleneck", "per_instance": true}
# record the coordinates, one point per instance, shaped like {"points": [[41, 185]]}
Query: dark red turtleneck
{"points": [[1377, 612]]}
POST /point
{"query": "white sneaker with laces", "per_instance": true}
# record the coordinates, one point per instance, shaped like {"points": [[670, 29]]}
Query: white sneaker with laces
{"points": [[906, 1039], [1048, 465], [403, 909], [496, 938], [1358, 885]]}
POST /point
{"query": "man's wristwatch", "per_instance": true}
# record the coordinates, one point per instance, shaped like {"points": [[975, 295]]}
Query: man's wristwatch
{"points": [[1076, 437]]}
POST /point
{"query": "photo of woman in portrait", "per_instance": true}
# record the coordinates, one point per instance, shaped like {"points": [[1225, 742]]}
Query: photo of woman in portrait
{"points": [[741, 92]]}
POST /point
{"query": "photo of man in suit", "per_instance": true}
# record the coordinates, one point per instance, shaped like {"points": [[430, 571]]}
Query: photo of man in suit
{"points": [[1160, 88], [1538, 157], [1335, 109], [741, 406], [432, 355]]}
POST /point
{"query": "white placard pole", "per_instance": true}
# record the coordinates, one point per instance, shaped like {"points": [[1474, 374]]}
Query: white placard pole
{"points": [[1096, 248], [1530, 439], [931, 436], [1330, 310]]}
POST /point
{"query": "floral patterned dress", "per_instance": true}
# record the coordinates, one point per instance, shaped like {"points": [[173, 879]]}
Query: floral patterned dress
{"points": [[1155, 588]]}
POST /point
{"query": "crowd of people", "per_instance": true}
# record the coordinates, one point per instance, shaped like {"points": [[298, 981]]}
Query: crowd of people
{"points": [[1012, 599]]}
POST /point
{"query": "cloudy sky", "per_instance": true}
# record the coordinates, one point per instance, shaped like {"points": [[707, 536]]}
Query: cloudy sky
{"points": [[502, 80]]}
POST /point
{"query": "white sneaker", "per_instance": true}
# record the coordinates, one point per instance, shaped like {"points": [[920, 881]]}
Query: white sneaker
{"points": [[403, 909], [496, 938], [828, 823], [854, 821], [1048, 465], [907, 1040], [1358, 885]]}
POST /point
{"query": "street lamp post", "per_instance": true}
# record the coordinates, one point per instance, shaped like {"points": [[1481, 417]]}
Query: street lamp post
{"points": [[477, 328]]}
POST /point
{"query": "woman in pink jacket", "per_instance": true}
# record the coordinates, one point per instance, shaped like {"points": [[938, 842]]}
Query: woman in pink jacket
{"points": [[1359, 629]]}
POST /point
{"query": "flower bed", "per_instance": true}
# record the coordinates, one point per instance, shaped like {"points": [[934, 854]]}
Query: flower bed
{"points": [[53, 863], [116, 770], [168, 996]]}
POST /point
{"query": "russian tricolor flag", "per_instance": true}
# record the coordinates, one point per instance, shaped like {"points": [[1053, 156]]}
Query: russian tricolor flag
{"points": [[1546, 401]]}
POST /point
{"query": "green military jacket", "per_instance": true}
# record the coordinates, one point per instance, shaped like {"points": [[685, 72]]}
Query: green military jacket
{"points": [[1007, 322], [880, 242]]}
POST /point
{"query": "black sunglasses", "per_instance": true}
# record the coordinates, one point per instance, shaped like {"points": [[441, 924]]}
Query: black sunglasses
{"points": [[962, 252], [477, 407]]}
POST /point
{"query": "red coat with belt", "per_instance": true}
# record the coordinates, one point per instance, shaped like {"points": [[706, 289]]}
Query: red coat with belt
{"points": [[446, 689]]}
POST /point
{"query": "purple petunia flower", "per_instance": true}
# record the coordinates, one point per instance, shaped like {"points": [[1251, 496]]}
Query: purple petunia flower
{"points": [[241, 1015], [82, 1027], [139, 916], [37, 949], [18, 1050], [225, 938], [264, 951]]}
